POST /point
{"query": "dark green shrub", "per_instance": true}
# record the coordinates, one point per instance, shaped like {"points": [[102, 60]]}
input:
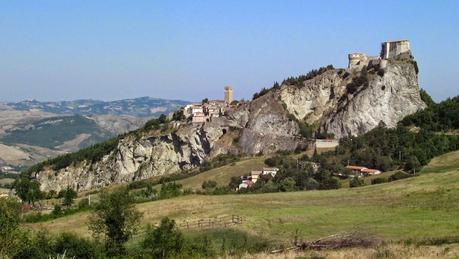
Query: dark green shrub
{"points": [[356, 182], [379, 180], [209, 184], [75, 247], [398, 176]]}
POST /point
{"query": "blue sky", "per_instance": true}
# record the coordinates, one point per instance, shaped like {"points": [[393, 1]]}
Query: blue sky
{"points": [[63, 50]]}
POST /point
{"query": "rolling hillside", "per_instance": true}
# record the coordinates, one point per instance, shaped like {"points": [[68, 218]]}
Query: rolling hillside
{"points": [[426, 206], [57, 131]]}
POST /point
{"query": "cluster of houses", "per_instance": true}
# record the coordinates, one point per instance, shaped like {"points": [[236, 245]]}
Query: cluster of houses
{"points": [[249, 181], [361, 171], [207, 110]]}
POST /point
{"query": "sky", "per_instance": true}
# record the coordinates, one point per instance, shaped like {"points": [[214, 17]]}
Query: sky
{"points": [[96, 49]]}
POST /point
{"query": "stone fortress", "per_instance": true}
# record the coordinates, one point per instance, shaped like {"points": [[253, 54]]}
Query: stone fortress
{"points": [[389, 50]]}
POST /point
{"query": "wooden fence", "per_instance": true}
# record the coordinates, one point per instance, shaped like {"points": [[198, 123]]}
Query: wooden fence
{"points": [[209, 223]]}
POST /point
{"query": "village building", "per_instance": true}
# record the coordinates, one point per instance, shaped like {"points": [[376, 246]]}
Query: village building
{"points": [[270, 171], [245, 184], [255, 175], [206, 111], [361, 171]]}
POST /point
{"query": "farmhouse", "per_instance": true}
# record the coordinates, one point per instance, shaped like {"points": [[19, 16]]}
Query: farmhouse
{"points": [[361, 170]]}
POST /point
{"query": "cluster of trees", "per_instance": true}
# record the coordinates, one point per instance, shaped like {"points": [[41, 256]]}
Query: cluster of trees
{"points": [[293, 175], [311, 74], [388, 149], [293, 80], [441, 117]]}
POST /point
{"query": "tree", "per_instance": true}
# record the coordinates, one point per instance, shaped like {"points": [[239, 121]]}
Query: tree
{"points": [[178, 115], [10, 234], [116, 218], [209, 184], [287, 184], [27, 189], [68, 196], [412, 164], [164, 241], [74, 246], [234, 182], [162, 119]]}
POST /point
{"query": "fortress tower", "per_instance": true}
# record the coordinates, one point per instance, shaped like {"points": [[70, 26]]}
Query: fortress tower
{"points": [[391, 49], [357, 60], [228, 94]]}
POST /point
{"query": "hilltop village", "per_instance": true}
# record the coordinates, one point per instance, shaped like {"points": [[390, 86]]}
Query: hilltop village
{"points": [[209, 109]]}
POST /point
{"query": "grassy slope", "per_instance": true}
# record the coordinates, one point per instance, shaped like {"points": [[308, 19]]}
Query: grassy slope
{"points": [[222, 175], [423, 206], [444, 163]]}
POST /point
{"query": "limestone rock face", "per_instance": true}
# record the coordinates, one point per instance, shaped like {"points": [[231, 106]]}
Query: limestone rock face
{"points": [[387, 96], [338, 101], [386, 100]]}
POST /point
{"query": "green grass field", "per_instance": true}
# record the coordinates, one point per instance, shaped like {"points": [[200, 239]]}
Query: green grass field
{"points": [[444, 163], [425, 206]]}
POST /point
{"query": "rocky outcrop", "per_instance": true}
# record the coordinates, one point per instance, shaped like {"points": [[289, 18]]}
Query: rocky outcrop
{"points": [[338, 101], [345, 102]]}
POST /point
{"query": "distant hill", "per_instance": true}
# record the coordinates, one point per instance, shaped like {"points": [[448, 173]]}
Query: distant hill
{"points": [[138, 107], [56, 132]]}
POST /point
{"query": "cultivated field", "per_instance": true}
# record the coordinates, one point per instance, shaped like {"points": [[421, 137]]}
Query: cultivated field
{"points": [[426, 206]]}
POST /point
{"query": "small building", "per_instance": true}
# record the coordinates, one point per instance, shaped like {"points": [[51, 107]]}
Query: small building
{"points": [[255, 175], [199, 118], [355, 169], [361, 170], [270, 171], [245, 184], [326, 143], [369, 172]]}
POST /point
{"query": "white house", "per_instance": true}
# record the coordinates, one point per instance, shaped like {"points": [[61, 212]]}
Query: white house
{"points": [[270, 171]]}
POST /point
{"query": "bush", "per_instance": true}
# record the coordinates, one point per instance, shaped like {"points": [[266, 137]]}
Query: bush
{"points": [[356, 182], [330, 183], [398, 176], [83, 203], [165, 241], [75, 247], [379, 180], [209, 184]]}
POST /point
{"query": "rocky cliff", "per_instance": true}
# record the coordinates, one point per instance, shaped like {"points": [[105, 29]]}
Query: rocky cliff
{"points": [[338, 101], [346, 102]]}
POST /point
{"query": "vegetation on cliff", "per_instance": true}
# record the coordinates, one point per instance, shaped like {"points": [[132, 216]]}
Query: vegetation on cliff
{"points": [[294, 80]]}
